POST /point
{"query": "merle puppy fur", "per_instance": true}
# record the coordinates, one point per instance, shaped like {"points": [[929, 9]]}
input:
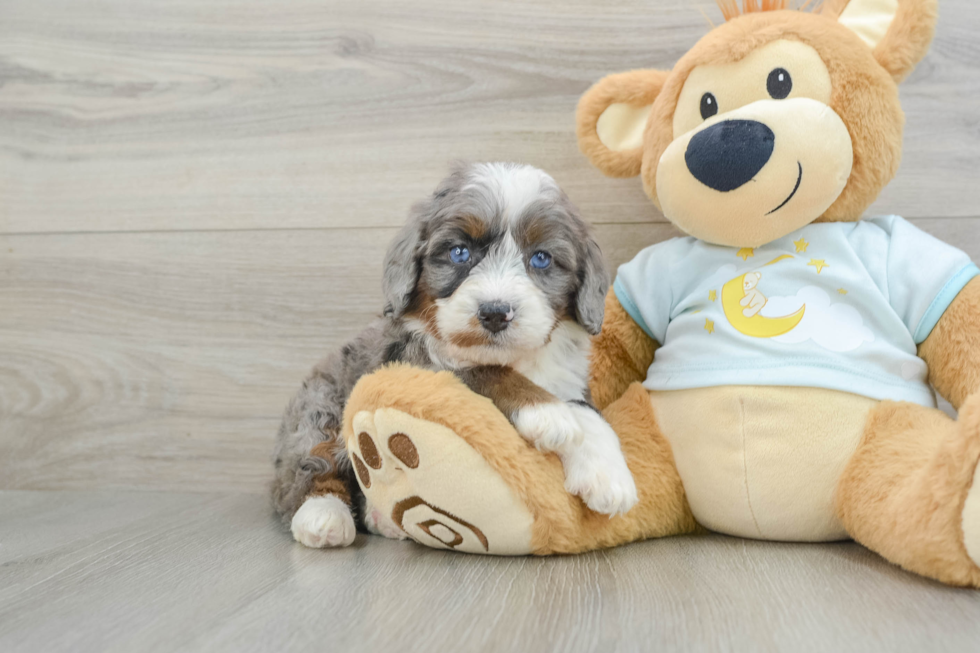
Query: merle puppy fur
{"points": [[496, 278]]}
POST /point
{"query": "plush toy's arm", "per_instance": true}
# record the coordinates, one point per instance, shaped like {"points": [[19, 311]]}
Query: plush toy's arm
{"points": [[621, 354], [952, 350]]}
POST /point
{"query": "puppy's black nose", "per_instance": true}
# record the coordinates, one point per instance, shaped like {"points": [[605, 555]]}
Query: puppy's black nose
{"points": [[727, 155], [495, 316]]}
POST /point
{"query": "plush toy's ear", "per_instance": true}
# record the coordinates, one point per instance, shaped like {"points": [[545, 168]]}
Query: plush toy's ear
{"points": [[611, 117], [897, 31]]}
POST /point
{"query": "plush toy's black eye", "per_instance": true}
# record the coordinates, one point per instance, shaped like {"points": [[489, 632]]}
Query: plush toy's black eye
{"points": [[709, 106], [779, 83]]}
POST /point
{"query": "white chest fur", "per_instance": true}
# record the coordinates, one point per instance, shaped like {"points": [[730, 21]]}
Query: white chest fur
{"points": [[562, 366]]}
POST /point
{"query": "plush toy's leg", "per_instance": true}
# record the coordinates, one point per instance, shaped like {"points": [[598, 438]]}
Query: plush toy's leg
{"points": [[909, 492], [452, 472]]}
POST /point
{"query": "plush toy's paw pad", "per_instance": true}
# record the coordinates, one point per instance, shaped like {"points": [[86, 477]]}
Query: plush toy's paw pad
{"points": [[380, 524], [971, 520], [550, 427], [324, 522], [969, 422], [424, 481]]}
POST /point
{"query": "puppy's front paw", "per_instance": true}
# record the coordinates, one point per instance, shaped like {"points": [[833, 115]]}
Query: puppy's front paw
{"points": [[597, 470], [605, 486], [324, 521], [550, 427]]}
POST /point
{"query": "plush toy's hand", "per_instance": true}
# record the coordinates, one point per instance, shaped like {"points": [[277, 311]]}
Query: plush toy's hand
{"points": [[621, 354], [952, 350]]}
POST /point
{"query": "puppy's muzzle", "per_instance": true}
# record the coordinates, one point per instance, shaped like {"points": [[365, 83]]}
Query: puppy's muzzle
{"points": [[495, 316]]}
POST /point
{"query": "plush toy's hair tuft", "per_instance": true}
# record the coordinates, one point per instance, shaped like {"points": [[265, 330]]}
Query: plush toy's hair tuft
{"points": [[730, 8]]}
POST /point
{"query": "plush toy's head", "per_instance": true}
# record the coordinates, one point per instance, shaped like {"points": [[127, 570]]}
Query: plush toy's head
{"points": [[773, 120]]}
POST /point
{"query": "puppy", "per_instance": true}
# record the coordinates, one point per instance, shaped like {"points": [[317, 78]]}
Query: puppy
{"points": [[496, 278]]}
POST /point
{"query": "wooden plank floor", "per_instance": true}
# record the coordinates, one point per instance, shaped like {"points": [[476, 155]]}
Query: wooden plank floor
{"points": [[106, 571], [194, 199]]}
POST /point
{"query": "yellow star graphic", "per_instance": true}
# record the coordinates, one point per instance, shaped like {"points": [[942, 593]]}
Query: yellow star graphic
{"points": [[818, 263], [712, 295], [745, 253], [841, 291], [709, 326], [801, 245]]}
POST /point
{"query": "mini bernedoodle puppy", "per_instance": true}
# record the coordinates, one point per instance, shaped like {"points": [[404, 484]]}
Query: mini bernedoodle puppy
{"points": [[496, 278]]}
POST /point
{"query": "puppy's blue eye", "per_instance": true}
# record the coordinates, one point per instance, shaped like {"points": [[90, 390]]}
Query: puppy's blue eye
{"points": [[459, 255], [541, 260]]}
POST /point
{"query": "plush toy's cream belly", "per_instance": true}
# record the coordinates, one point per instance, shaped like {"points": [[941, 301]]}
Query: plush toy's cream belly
{"points": [[763, 462]]}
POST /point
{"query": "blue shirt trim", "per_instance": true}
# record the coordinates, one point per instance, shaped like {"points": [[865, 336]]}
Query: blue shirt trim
{"points": [[942, 301], [624, 299]]}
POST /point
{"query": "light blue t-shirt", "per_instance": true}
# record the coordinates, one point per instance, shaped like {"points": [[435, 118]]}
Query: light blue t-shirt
{"points": [[837, 305]]}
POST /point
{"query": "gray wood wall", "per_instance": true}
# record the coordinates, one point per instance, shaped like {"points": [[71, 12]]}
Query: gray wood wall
{"points": [[195, 197]]}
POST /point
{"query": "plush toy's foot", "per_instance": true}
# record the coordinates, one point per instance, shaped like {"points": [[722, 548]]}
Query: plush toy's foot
{"points": [[448, 469], [910, 491], [379, 523], [969, 421], [422, 479], [323, 521]]}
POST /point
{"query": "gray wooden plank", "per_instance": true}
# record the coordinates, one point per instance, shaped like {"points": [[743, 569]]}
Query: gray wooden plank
{"points": [[122, 115], [163, 360], [215, 573]]}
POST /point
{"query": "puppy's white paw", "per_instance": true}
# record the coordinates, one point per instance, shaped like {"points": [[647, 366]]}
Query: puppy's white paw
{"points": [[324, 521], [605, 487], [379, 524], [597, 470], [550, 427]]}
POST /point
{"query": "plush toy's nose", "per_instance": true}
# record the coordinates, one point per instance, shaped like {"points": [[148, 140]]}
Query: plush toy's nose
{"points": [[728, 154]]}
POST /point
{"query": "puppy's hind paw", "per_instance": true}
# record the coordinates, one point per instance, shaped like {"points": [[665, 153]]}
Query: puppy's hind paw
{"points": [[324, 522], [549, 427]]}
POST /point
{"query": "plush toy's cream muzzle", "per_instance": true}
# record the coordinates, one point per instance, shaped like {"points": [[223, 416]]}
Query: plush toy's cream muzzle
{"points": [[754, 174]]}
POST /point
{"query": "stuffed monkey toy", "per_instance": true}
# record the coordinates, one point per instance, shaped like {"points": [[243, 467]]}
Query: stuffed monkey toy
{"points": [[770, 375]]}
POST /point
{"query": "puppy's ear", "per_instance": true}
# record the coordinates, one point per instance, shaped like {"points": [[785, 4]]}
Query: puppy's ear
{"points": [[897, 31], [611, 117], [590, 302], [403, 263]]}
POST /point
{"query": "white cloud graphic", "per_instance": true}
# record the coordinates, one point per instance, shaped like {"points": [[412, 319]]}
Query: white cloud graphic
{"points": [[721, 275], [837, 327]]}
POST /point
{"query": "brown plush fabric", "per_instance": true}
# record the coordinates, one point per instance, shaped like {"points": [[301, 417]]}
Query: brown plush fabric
{"points": [[562, 523], [903, 491], [662, 509], [621, 354], [636, 88], [952, 350], [907, 39], [864, 96]]}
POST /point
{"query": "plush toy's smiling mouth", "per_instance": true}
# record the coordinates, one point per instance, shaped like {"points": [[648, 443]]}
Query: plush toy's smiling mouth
{"points": [[799, 178]]}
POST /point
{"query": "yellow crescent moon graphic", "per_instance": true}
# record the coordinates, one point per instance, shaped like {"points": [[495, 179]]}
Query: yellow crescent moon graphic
{"points": [[756, 326]]}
